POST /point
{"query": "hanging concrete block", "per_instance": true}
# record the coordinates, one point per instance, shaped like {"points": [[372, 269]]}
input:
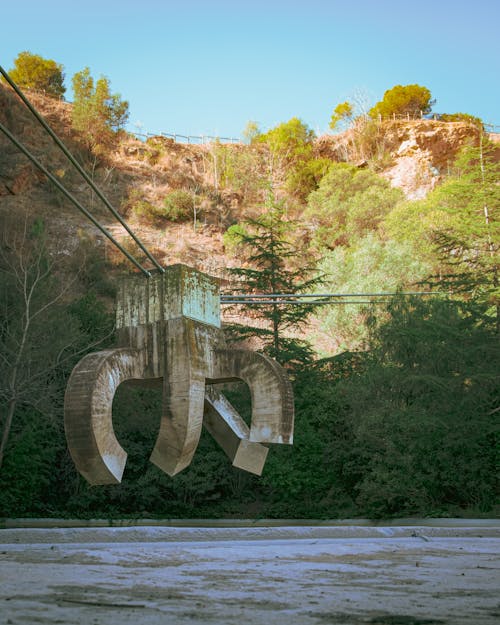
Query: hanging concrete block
{"points": [[232, 433], [169, 333]]}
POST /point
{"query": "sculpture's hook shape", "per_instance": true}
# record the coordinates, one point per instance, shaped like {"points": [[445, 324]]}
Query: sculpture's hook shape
{"points": [[97, 454], [169, 329], [270, 389], [188, 347]]}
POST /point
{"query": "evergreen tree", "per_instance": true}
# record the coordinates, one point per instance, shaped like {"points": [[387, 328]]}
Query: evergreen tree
{"points": [[276, 267], [469, 242], [34, 72], [403, 100], [97, 113]]}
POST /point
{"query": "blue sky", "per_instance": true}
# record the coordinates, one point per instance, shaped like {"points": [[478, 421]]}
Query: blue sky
{"points": [[209, 67]]}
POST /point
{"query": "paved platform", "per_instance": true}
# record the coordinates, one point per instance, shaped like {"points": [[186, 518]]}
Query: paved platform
{"points": [[256, 575]]}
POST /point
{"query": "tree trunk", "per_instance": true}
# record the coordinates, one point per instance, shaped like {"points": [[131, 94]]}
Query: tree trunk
{"points": [[6, 428]]}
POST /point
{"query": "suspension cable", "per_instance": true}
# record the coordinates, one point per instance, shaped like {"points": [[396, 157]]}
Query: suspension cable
{"points": [[317, 299], [228, 297], [79, 168], [72, 199]]}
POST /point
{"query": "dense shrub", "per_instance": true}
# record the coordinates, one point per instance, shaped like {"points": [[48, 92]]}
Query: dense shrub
{"points": [[422, 411], [349, 203], [233, 237], [146, 211], [178, 206]]}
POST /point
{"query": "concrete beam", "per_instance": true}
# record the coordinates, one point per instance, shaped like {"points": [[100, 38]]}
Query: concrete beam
{"points": [[232, 433]]}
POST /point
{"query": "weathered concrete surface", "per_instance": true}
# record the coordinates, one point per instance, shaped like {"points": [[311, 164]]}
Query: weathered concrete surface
{"points": [[169, 332], [232, 433], [88, 419], [275, 576]]}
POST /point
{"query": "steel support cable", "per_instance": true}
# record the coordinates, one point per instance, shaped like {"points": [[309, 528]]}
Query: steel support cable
{"points": [[72, 199], [248, 296], [318, 299], [323, 302], [80, 169]]}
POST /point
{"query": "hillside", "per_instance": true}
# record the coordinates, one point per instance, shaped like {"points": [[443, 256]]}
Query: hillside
{"points": [[414, 156]]}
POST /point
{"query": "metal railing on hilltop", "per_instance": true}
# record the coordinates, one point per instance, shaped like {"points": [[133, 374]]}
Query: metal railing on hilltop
{"points": [[191, 139], [421, 116]]}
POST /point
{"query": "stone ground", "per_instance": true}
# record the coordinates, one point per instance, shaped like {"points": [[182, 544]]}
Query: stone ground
{"points": [[406, 575]]}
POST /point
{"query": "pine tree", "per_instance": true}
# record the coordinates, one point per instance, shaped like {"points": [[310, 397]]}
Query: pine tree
{"points": [[32, 71], [409, 100], [469, 244], [276, 268]]}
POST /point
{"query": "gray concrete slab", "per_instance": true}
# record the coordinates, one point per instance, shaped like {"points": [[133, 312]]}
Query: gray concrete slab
{"points": [[385, 575]]}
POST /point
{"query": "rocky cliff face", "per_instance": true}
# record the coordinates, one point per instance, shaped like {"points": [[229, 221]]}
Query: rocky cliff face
{"points": [[413, 155], [423, 153]]}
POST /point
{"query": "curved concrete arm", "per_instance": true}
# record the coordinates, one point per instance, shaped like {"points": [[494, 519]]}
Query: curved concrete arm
{"points": [[271, 392], [92, 443], [188, 345], [232, 433]]}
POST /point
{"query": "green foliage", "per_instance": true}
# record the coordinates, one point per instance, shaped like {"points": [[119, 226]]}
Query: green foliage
{"points": [[370, 265], [305, 177], [240, 170], [145, 490], [308, 480], [407, 428], [462, 117], [403, 100], [36, 331], [349, 203], [38, 335], [95, 322], [28, 478], [97, 113], [413, 223], [343, 112], [291, 148], [290, 140], [422, 411], [271, 255], [233, 237], [41, 338], [469, 241], [146, 211], [251, 132], [34, 72], [178, 205]]}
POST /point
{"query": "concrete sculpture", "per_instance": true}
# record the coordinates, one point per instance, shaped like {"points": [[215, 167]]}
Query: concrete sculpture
{"points": [[169, 335]]}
